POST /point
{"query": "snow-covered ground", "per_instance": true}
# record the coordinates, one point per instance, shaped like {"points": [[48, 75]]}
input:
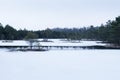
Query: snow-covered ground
{"points": [[74, 64], [55, 42], [60, 65], [14, 43]]}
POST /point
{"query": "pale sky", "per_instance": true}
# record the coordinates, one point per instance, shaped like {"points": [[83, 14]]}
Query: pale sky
{"points": [[42, 14]]}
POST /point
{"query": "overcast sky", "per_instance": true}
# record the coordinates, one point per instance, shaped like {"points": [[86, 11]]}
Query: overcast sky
{"points": [[41, 14]]}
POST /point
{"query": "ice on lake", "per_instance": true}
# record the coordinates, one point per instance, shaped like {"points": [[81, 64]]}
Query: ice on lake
{"points": [[60, 65]]}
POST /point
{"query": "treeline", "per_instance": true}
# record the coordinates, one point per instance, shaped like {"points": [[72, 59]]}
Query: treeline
{"points": [[110, 32]]}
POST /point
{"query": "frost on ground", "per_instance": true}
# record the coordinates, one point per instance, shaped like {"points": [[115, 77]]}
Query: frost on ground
{"points": [[60, 65]]}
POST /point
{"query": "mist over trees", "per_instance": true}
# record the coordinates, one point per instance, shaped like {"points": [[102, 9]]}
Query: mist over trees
{"points": [[110, 32]]}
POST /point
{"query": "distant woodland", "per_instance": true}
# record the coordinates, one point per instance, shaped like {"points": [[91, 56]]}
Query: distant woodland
{"points": [[110, 32]]}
